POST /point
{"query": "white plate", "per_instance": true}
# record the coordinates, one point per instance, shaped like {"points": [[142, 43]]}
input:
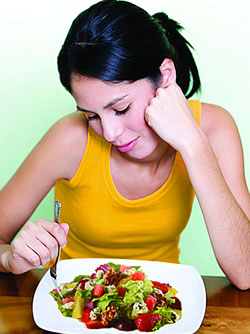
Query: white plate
{"points": [[184, 278]]}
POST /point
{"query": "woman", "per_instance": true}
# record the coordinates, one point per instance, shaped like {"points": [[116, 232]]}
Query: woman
{"points": [[127, 165]]}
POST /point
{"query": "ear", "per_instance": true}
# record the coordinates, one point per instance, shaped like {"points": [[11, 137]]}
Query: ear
{"points": [[168, 72]]}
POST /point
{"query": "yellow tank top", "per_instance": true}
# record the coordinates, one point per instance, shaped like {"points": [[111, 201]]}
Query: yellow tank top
{"points": [[105, 224]]}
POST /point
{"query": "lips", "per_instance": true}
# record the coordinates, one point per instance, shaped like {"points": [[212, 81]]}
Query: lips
{"points": [[129, 146]]}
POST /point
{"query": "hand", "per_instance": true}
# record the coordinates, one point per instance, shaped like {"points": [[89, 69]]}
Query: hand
{"points": [[170, 116], [35, 245]]}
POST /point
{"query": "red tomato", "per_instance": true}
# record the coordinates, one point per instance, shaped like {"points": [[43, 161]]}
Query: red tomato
{"points": [[98, 290], [160, 286], [67, 300], [86, 315], [121, 291], [122, 268], [138, 276], [150, 301], [94, 324]]}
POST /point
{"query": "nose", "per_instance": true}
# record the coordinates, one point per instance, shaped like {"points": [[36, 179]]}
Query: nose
{"points": [[112, 129]]}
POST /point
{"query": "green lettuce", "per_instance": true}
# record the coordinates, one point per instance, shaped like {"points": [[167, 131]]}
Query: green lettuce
{"points": [[104, 301], [85, 294], [137, 291], [79, 277], [65, 312], [168, 316]]}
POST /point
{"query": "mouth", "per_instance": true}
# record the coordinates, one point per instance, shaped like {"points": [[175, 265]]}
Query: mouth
{"points": [[129, 146]]}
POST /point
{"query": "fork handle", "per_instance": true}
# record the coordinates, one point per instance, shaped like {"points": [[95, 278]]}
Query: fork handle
{"points": [[57, 208]]}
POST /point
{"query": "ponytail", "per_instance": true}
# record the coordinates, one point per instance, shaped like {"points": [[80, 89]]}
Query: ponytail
{"points": [[186, 69]]}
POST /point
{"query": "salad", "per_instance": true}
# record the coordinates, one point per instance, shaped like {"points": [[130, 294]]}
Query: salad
{"points": [[119, 296]]}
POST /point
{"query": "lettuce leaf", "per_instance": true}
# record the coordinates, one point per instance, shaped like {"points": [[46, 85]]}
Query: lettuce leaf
{"points": [[85, 294], [137, 291], [113, 265], [168, 316], [79, 277], [65, 312], [104, 301]]}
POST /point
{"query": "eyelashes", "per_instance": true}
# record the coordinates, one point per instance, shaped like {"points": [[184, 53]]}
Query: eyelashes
{"points": [[91, 118], [122, 112], [117, 113]]}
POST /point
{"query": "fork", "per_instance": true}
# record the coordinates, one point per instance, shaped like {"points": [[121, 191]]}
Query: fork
{"points": [[53, 273]]}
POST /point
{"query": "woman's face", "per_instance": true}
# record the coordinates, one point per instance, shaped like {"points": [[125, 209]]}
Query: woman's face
{"points": [[116, 113]]}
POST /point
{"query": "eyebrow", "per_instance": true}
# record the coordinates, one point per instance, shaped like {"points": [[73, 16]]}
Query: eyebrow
{"points": [[108, 105], [111, 103]]}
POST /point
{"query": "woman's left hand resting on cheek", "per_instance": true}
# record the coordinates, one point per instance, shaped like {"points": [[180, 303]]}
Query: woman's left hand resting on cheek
{"points": [[213, 157]]}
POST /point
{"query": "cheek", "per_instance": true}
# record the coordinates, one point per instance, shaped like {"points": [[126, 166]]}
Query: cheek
{"points": [[137, 120]]}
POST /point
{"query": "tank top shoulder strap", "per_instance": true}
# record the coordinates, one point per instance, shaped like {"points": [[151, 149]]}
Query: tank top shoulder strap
{"points": [[196, 108], [96, 149]]}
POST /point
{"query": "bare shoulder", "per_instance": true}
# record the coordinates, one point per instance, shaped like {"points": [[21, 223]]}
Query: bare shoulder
{"points": [[68, 136], [215, 119], [221, 130]]}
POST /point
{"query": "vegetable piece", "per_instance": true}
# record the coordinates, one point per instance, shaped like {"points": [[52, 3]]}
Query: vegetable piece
{"points": [[89, 305], [56, 292], [82, 283], [177, 303], [103, 267], [98, 290], [78, 307], [86, 315], [124, 324], [160, 286], [123, 268], [121, 291], [138, 276], [145, 322], [67, 300], [125, 280], [94, 324], [150, 301], [137, 291]]}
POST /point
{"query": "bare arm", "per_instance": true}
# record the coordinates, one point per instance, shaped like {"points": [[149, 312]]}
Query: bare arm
{"points": [[57, 155], [216, 169], [214, 160]]}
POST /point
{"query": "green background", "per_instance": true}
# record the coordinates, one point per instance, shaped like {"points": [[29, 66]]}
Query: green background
{"points": [[32, 99]]}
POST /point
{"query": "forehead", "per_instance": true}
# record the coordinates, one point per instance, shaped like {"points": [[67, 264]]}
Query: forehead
{"points": [[86, 90], [83, 83]]}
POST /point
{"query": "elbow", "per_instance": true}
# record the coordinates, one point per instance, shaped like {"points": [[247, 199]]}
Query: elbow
{"points": [[241, 282], [237, 270], [239, 278], [242, 285]]}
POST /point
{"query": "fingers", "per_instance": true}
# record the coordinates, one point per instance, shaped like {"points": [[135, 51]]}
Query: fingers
{"points": [[65, 227], [38, 242], [59, 232], [31, 250]]}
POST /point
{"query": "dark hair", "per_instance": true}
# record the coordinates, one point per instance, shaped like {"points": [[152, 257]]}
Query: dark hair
{"points": [[118, 41]]}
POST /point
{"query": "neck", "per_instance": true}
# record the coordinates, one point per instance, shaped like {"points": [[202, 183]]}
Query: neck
{"points": [[162, 153]]}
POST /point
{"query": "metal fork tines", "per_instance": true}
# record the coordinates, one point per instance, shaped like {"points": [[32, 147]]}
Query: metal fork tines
{"points": [[53, 272]]}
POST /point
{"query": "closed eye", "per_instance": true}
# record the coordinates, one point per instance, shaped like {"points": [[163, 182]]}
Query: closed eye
{"points": [[122, 112], [91, 118], [117, 112]]}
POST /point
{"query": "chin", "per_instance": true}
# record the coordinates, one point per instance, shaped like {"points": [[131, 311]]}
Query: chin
{"points": [[139, 154]]}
